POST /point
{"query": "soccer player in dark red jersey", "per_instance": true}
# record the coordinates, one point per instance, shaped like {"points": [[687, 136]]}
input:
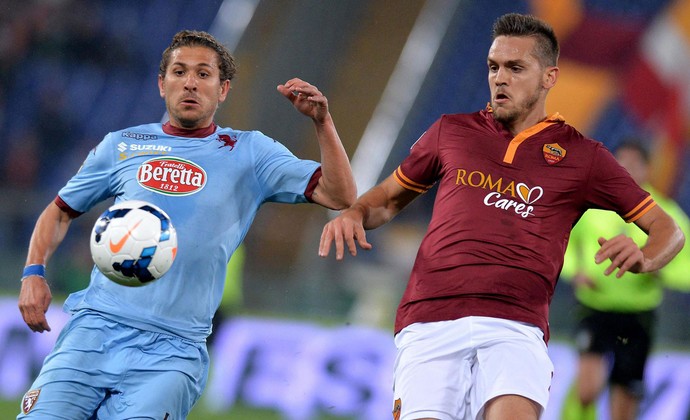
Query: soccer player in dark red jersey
{"points": [[472, 326]]}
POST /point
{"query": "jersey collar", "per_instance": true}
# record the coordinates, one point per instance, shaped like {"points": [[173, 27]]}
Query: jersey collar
{"points": [[197, 133]]}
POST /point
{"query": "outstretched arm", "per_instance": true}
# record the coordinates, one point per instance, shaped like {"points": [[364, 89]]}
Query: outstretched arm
{"points": [[373, 209], [336, 188], [665, 240], [35, 296]]}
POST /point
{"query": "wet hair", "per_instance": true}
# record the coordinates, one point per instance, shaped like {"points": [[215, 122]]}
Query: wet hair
{"points": [[515, 24], [187, 38], [636, 144]]}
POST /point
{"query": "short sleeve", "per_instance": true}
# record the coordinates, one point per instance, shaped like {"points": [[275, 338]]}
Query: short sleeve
{"points": [[421, 168], [282, 177], [91, 184], [612, 188]]}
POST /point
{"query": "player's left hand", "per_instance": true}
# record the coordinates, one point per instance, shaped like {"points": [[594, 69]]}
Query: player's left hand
{"points": [[623, 253], [306, 98]]}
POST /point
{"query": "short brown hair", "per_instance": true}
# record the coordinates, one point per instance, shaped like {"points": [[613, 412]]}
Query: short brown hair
{"points": [[187, 38], [515, 24]]}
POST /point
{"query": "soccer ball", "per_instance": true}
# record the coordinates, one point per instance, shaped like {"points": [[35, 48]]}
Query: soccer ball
{"points": [[133, 243]]}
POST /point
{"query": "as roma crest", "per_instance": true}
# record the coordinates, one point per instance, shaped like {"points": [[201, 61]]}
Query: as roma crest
{"points": [[553, 153]]}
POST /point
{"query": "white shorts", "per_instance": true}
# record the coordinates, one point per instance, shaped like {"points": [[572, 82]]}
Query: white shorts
{"points": [[449, 370]]}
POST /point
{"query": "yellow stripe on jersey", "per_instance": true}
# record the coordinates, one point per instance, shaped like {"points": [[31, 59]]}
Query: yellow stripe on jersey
{"points": [[640, 210], [525, 134], [409, 184]]}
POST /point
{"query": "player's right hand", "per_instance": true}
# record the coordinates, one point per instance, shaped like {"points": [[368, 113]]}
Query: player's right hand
{"points": [[346, 229], [34, 300]]}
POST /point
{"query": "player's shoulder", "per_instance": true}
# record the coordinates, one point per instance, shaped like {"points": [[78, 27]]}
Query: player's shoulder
{"points": [[239, 134], [246, 138], [475, 121], [460, 118], [569, 135]]}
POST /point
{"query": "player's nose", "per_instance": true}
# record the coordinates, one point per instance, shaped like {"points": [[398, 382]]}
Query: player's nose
{"points": [[190, 82]]}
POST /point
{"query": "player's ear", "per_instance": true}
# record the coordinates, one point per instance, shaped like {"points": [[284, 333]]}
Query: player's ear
{"points": [[550, 77], [225, 87], [161, 85]]}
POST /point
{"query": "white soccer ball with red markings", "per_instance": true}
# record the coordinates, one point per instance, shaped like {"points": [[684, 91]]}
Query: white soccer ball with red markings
{"points": [[133, 243]]}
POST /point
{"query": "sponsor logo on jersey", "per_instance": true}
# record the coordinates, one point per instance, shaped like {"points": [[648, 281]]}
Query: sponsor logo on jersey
{"points": [[29, 400], [508, 195], [553, 153], [128, 150], [139, 136], [171, 176]]}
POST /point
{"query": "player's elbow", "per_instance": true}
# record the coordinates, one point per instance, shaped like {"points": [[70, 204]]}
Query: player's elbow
{"points": [[337, 197], [341, 203]]}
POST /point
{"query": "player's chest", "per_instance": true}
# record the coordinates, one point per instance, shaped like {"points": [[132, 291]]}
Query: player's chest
{"points": [[183, 172], [494, 172]]}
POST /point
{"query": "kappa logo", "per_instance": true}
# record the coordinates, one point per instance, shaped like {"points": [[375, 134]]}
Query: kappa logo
{"points": [[29, 400], [139, 136]]}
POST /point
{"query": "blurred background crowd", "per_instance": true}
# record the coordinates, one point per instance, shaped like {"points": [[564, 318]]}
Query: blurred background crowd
{"points": [[73, 70]]}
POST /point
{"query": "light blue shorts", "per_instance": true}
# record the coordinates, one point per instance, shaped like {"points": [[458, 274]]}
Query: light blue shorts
{"points": [[101, 369]]}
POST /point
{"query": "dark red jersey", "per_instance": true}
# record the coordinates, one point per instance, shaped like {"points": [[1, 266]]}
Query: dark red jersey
{"points": [[503, 212]]}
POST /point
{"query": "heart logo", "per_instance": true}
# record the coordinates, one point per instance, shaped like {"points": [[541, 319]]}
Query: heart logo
{"points": [[529, 195]]}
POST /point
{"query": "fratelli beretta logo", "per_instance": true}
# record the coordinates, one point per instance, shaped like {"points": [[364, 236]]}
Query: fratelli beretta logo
{"points": [[171, 176]]}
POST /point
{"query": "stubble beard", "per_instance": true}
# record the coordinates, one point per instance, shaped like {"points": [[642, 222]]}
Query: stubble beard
{"points": [[510, 116], [188, 121]]}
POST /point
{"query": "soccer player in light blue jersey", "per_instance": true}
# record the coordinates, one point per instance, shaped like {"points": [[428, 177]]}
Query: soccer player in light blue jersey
{"points": [[141, 352]]}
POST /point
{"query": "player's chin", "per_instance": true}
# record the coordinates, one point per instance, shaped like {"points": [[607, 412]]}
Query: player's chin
{"points": [[189, 119], [502, 115]]}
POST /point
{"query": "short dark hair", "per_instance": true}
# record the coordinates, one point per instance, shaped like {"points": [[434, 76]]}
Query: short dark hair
{"points": [[187, 38], [515, 24], [636, 144]]}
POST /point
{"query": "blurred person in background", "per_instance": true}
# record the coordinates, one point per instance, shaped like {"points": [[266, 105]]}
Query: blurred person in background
{"points": [[615, 331], [141, 352], [472, 326]]}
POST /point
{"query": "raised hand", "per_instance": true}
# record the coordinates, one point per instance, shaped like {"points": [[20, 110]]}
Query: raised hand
{"points": [[306, 98]]}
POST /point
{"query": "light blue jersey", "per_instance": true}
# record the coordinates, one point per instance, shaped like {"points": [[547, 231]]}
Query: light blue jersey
{"points": [[211, 187]]}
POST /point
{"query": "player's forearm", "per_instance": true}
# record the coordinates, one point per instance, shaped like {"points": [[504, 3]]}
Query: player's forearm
{"points": [[665, 241], [48, 233], [337, 182], [375, 208]]}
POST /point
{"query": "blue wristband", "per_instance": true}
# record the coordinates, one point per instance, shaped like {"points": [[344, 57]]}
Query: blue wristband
{"points": [[34, 270]]}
